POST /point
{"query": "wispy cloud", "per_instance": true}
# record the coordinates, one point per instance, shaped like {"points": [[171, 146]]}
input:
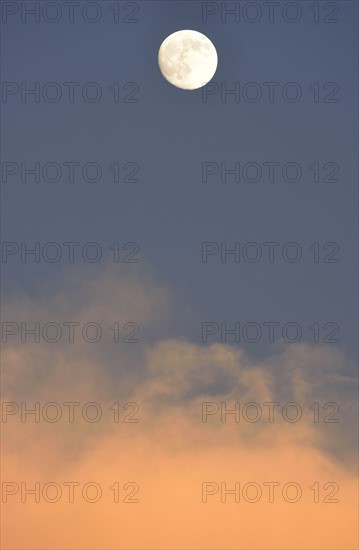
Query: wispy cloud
{"points": [[160, 438]]}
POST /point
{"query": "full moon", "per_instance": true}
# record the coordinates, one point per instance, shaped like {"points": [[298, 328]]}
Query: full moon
{"points": [[187, 59]]}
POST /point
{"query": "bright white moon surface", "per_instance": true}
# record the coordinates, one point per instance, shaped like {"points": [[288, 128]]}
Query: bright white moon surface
{"points": [[187, 59]]}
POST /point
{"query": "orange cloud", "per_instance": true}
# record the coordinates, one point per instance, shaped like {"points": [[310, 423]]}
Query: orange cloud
{"points": [[151, 442]]}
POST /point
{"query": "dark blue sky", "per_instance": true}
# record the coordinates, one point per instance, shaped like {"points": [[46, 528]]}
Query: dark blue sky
{"points": [[169, 133]]}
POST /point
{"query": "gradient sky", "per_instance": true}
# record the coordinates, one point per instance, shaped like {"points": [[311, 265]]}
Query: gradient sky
{"points": [[169, 213]]}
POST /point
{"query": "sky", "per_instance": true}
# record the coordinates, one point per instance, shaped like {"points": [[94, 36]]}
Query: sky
{"points": [[194, 252]]}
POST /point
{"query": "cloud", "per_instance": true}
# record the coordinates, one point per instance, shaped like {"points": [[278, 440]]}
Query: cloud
{"points": [[166, 383]]}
